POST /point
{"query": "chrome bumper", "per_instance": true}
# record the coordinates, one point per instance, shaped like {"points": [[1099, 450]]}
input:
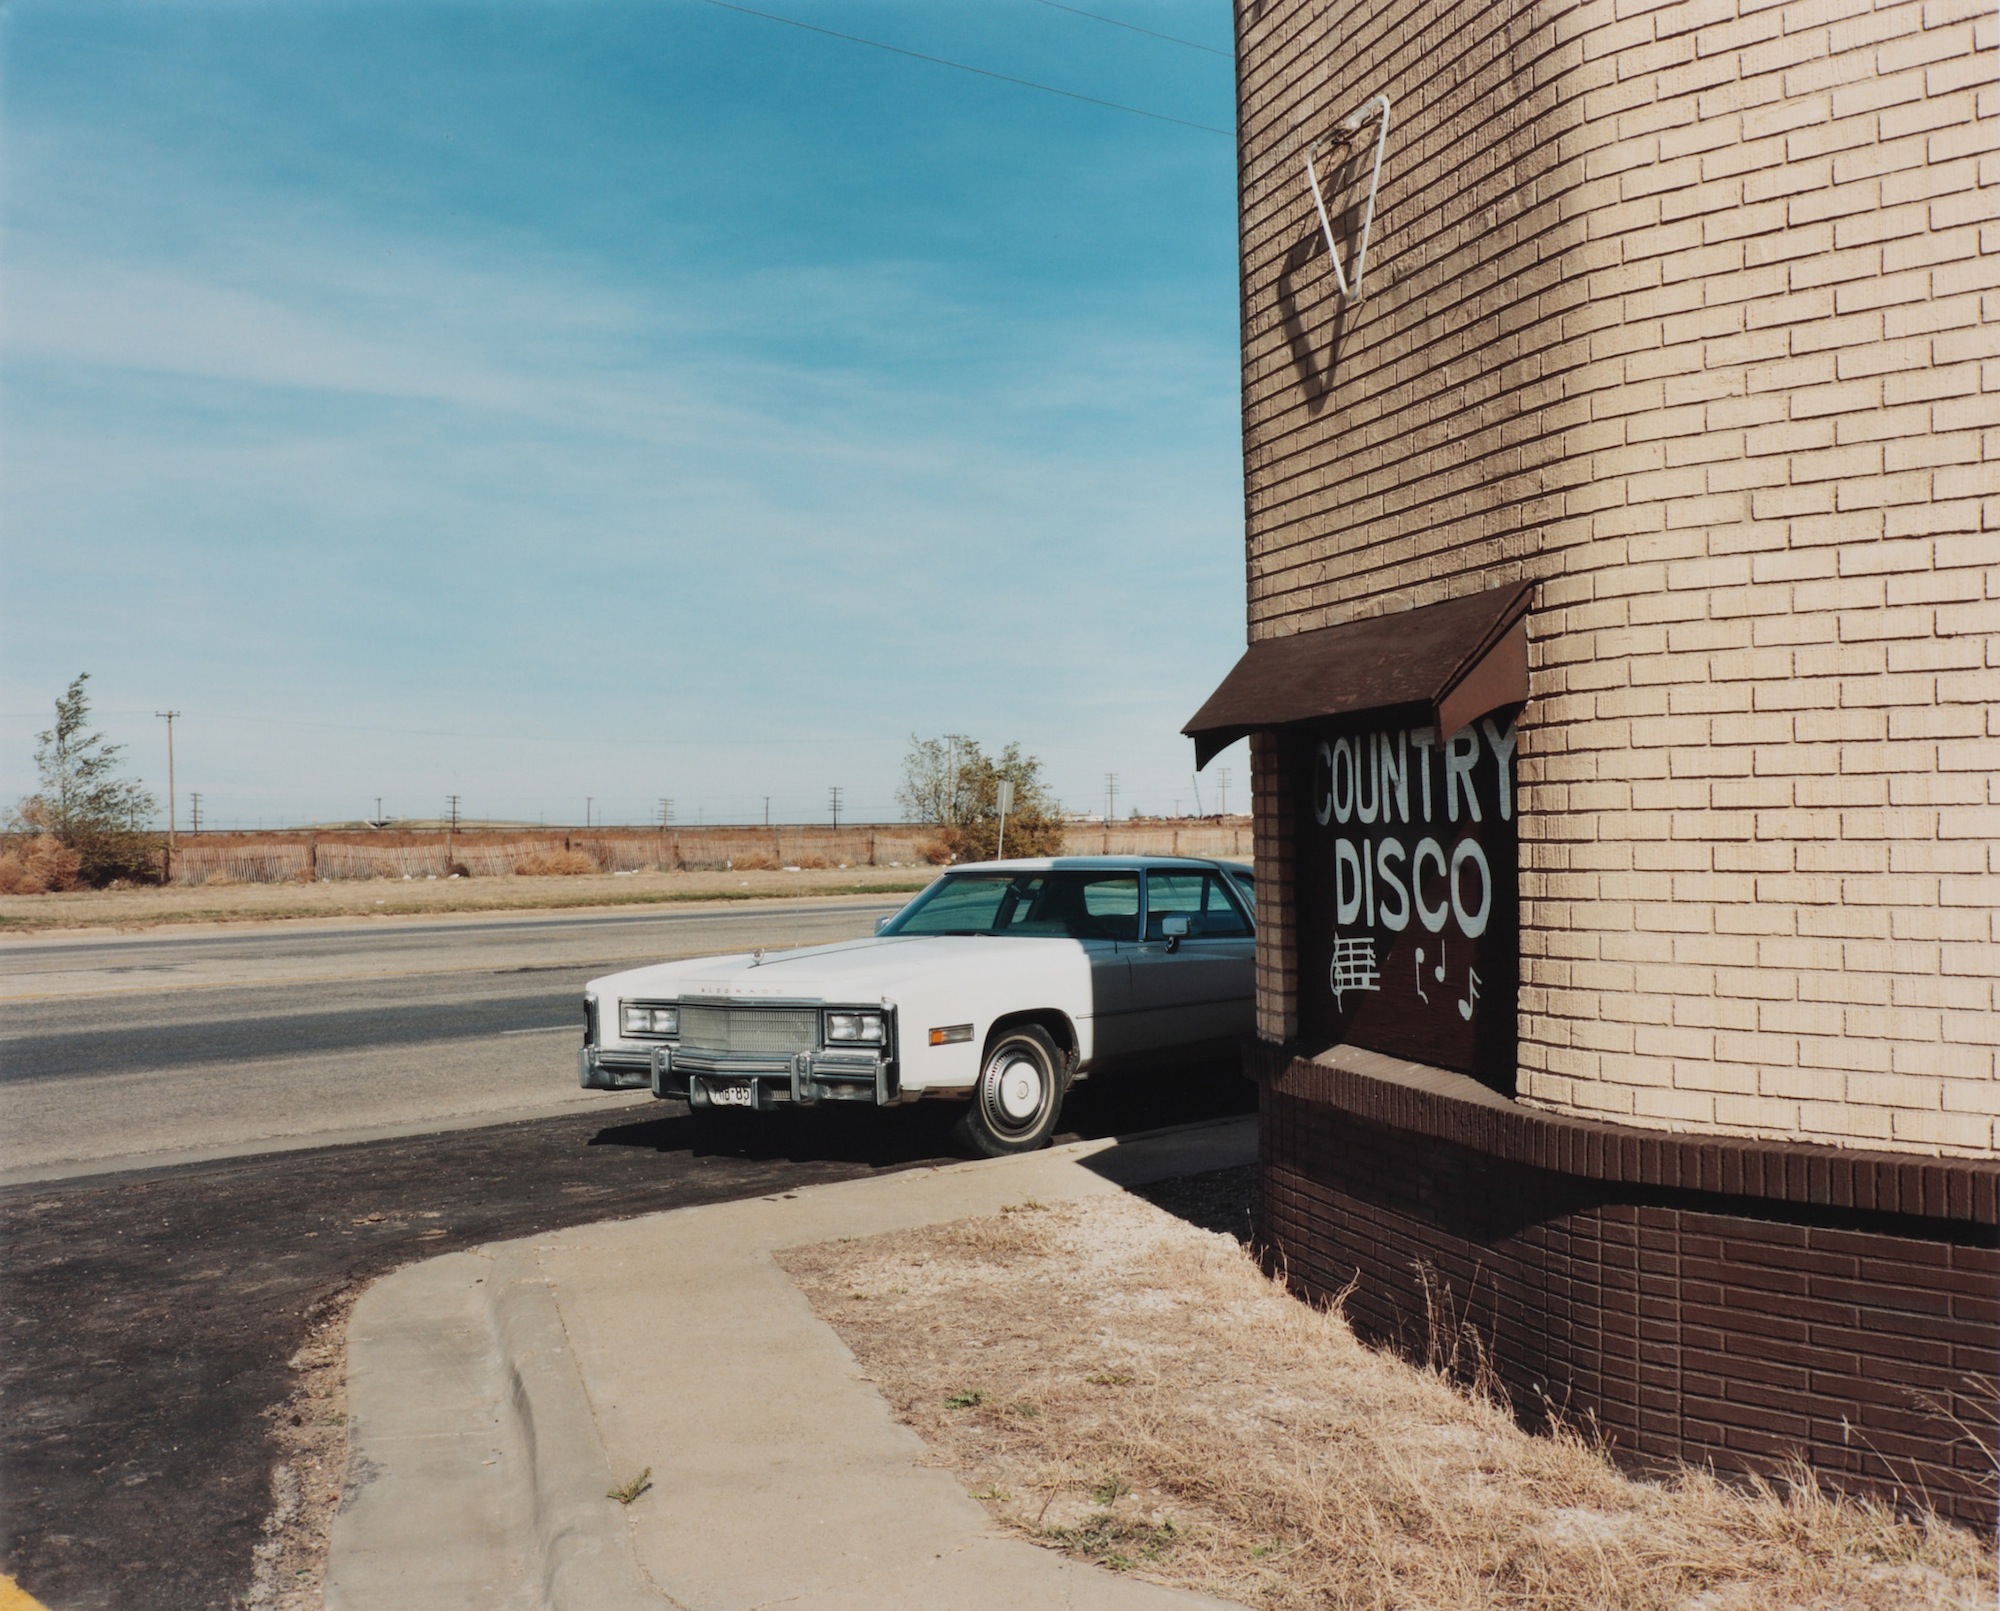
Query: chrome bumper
{"points": [[612, 1071], [805, 1078]]}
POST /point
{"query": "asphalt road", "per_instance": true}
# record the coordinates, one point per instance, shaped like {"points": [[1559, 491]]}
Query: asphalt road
{"points": [[147, 1316], [156, 1049]]}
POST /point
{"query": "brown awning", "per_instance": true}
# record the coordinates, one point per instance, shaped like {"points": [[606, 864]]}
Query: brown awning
{"points": [[1462, 658]]}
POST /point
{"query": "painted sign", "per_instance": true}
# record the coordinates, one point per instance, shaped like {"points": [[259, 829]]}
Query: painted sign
{"points": [[1408, 905]]}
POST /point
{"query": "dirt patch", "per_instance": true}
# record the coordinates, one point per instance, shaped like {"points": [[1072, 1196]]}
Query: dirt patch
{"points": [[399, 897], [309, 1438], [1115, 1382]]}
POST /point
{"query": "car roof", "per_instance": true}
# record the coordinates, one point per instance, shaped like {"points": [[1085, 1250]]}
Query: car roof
{"points": [[1094, 864]]}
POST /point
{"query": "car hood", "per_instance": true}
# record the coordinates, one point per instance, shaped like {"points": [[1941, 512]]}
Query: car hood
{"points": [[856, 970]]}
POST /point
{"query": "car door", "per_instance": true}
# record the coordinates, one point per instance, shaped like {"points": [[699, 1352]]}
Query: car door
{"points": [[1102, 916], [1200, 984]]}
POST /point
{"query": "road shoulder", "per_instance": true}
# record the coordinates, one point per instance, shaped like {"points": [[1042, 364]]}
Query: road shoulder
{"points": [[95, 914]]}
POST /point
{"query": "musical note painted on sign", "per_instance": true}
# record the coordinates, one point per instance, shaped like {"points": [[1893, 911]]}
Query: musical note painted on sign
{"points": [[1437, 973], [1354, 967], [1471, 994]]}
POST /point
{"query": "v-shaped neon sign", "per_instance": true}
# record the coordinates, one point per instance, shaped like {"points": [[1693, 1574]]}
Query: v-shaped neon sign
{"points": [[1349, 127]]}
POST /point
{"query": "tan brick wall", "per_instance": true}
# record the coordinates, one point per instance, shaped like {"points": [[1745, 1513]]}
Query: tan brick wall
{"points": [[1691, 311]]}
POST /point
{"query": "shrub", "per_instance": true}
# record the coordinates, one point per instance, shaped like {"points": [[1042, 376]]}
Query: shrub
{"points": [[756, 862], [554, 864], [811, 864], [108, 853], [43, 864]]}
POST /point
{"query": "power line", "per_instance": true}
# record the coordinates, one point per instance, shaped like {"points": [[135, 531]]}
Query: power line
{"points": [[462, 736], [966, 67], [1133, 27]]}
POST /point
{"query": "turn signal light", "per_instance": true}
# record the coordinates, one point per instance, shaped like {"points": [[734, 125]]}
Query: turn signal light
{"points": [[951, 1034]]}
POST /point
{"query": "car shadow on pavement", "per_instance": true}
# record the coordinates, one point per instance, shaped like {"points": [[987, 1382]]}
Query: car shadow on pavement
{"points": [[1108, 1104], [870, 1137]]}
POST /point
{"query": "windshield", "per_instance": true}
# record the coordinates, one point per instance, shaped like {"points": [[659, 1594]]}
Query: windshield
{"points": [[1047, 905]]}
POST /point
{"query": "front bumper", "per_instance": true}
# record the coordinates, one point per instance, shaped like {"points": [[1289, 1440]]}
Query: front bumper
{"points": [[773, 1080], [613, 1071]]}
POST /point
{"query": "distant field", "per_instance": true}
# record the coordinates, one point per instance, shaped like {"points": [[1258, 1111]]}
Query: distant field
{"points": [[390, 897]]}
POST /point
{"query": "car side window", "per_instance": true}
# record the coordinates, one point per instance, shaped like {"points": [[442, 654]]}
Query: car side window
{"points": [[1219, 916], [1172, 895], [1110, 908], [1198, 897]]}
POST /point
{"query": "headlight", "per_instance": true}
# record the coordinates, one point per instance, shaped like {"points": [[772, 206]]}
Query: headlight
{"points": [[649, 1020], [860, 1028]]}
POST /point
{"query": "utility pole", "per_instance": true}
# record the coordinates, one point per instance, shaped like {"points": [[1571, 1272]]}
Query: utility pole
{"points": [[1222, 782], [587, 799], [767, 811], [1195, 779], [666, 810], [167, 872], [194, 804], [833, 798], [451, 832], [1110, 797], [379, 818]]}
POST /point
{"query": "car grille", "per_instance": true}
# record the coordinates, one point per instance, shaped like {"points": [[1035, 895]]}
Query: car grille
{"points": [[750, 1029]]}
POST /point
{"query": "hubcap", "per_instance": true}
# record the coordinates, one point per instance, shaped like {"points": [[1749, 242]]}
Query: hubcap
{"points": [[1019, 1090]]}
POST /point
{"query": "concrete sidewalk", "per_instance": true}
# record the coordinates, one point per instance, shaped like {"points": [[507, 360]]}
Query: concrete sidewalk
{"points": [[497, 1394]]}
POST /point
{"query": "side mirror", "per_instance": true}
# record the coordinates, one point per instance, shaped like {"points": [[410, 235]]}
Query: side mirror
{"points": [[1175, 929], [882, 923]]}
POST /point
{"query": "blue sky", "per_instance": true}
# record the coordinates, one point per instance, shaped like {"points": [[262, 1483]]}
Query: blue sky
{"points": [[533, 402]]}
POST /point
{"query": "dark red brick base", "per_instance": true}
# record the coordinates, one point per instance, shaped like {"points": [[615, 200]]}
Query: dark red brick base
{"points": [[1731, 1330]]}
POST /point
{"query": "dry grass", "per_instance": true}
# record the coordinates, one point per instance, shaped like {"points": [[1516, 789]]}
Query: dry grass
{"points": [[288, 1565], [556, 864], [1118, 1384], [220, 901]]}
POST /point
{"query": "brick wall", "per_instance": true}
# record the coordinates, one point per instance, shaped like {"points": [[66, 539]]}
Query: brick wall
{"points": [[1687, 310], [1686, 1325]]}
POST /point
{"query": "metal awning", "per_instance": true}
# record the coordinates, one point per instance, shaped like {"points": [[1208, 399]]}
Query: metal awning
{"points": [[1462, 658]]}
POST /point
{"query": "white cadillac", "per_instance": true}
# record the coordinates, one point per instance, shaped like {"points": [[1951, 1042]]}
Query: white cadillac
{"points": [[996, 987]]}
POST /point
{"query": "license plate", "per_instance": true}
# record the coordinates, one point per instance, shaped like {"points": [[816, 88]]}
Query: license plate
{"points": [[731, 1094]]}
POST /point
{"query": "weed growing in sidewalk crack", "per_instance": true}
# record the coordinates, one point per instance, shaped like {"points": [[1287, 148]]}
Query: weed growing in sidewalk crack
{"points": [[626, 1492]]}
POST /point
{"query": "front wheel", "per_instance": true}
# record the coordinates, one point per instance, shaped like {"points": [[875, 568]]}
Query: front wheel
{"points": [[1019, 1095]]}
